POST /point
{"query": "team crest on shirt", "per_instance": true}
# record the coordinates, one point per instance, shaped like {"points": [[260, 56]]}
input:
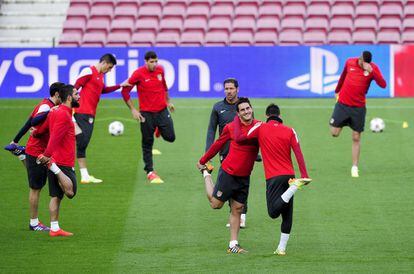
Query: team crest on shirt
{"points": [[219, 193], [159, 76], [366, 73], [90, 120]]}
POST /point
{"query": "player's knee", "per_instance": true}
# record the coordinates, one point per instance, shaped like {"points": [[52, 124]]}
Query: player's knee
{"points": [[356, 138], [169, 138], [273, 213], [216, 204]]}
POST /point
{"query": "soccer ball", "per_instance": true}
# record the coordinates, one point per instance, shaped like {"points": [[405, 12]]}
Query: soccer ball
{"points": [[377, 125], [116, 128]]}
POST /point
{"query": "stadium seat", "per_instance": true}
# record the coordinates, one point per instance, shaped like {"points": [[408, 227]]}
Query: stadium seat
{"points": [[103, 3], [150, 9], [167, 39], [216, 38], [408, 23], [341, 23], [195, 24], [74, 25], [80, 3], [364, 37], [270, 22], [319, 9], [70, 39], [171, 24], [273, 8], [265, 38], [118, 39], [290, 37], [142, 39], [388, 37], [343, 8], [146, 24], [295, 8], [389, 23], [409, 9], [198, 10], [192, 38], [339, 37], [407, 37], [245, 23], [292, 22], [123, 25], [101, 12], [174, 9], [126, 11], [94, 39], [78, 12], [222, 9], [98, 25], [134, 4], [367, 9], [220, 23], [247, 8], [365, 23], [314, 37], [241, 38], [391, 8], [317, 23]]}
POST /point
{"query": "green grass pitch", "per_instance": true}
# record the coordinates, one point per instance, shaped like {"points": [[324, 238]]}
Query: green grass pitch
{"points": [[341, 224]]}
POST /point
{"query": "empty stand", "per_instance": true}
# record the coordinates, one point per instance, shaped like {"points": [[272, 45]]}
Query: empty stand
{"points": [[237, 22]]}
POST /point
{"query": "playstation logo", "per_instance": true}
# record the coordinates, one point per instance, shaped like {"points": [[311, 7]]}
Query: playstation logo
{"points": [[322, 78]]}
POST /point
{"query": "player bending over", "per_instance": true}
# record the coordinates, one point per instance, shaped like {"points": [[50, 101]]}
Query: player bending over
{"points": [[276, 142]]}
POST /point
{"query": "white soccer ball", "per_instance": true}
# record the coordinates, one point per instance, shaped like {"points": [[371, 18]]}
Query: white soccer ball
{"points": [[116, 128], [377, 125]]}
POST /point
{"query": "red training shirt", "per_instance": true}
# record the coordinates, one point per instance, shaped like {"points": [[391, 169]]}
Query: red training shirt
{"points": [[276, 142], [61, 146], [36, 145], [241, 157], [354, 83], [92, 83], [151, 86]]}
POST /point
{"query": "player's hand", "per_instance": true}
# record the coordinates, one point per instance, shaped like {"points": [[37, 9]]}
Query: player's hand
{"points": [[42, 160], [171, 107], [137, 115], [367, 67], [336, 96], [200, 166], [125, 84]]}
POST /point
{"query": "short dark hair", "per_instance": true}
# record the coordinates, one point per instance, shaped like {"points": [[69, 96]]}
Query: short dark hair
{"points": [[108, 58], [231, 80], [150, 55], [65, 92], [367, 56], [55, 87], [272, 110], [241, 101]]}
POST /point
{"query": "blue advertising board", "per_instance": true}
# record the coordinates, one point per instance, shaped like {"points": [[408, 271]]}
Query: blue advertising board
{"points": [[267, 72]]}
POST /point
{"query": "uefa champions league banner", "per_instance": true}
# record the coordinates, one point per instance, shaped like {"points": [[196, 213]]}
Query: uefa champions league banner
{"points": [[284, 72]]}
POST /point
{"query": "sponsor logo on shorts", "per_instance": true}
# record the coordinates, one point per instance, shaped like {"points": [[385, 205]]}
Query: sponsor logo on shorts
{"points": [[332, 121], [219, 193], [90, 120]]}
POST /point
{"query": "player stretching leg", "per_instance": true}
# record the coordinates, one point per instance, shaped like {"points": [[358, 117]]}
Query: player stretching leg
{"points": [[351, 93], [276, 142], [36, 174], [233, 178]]}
